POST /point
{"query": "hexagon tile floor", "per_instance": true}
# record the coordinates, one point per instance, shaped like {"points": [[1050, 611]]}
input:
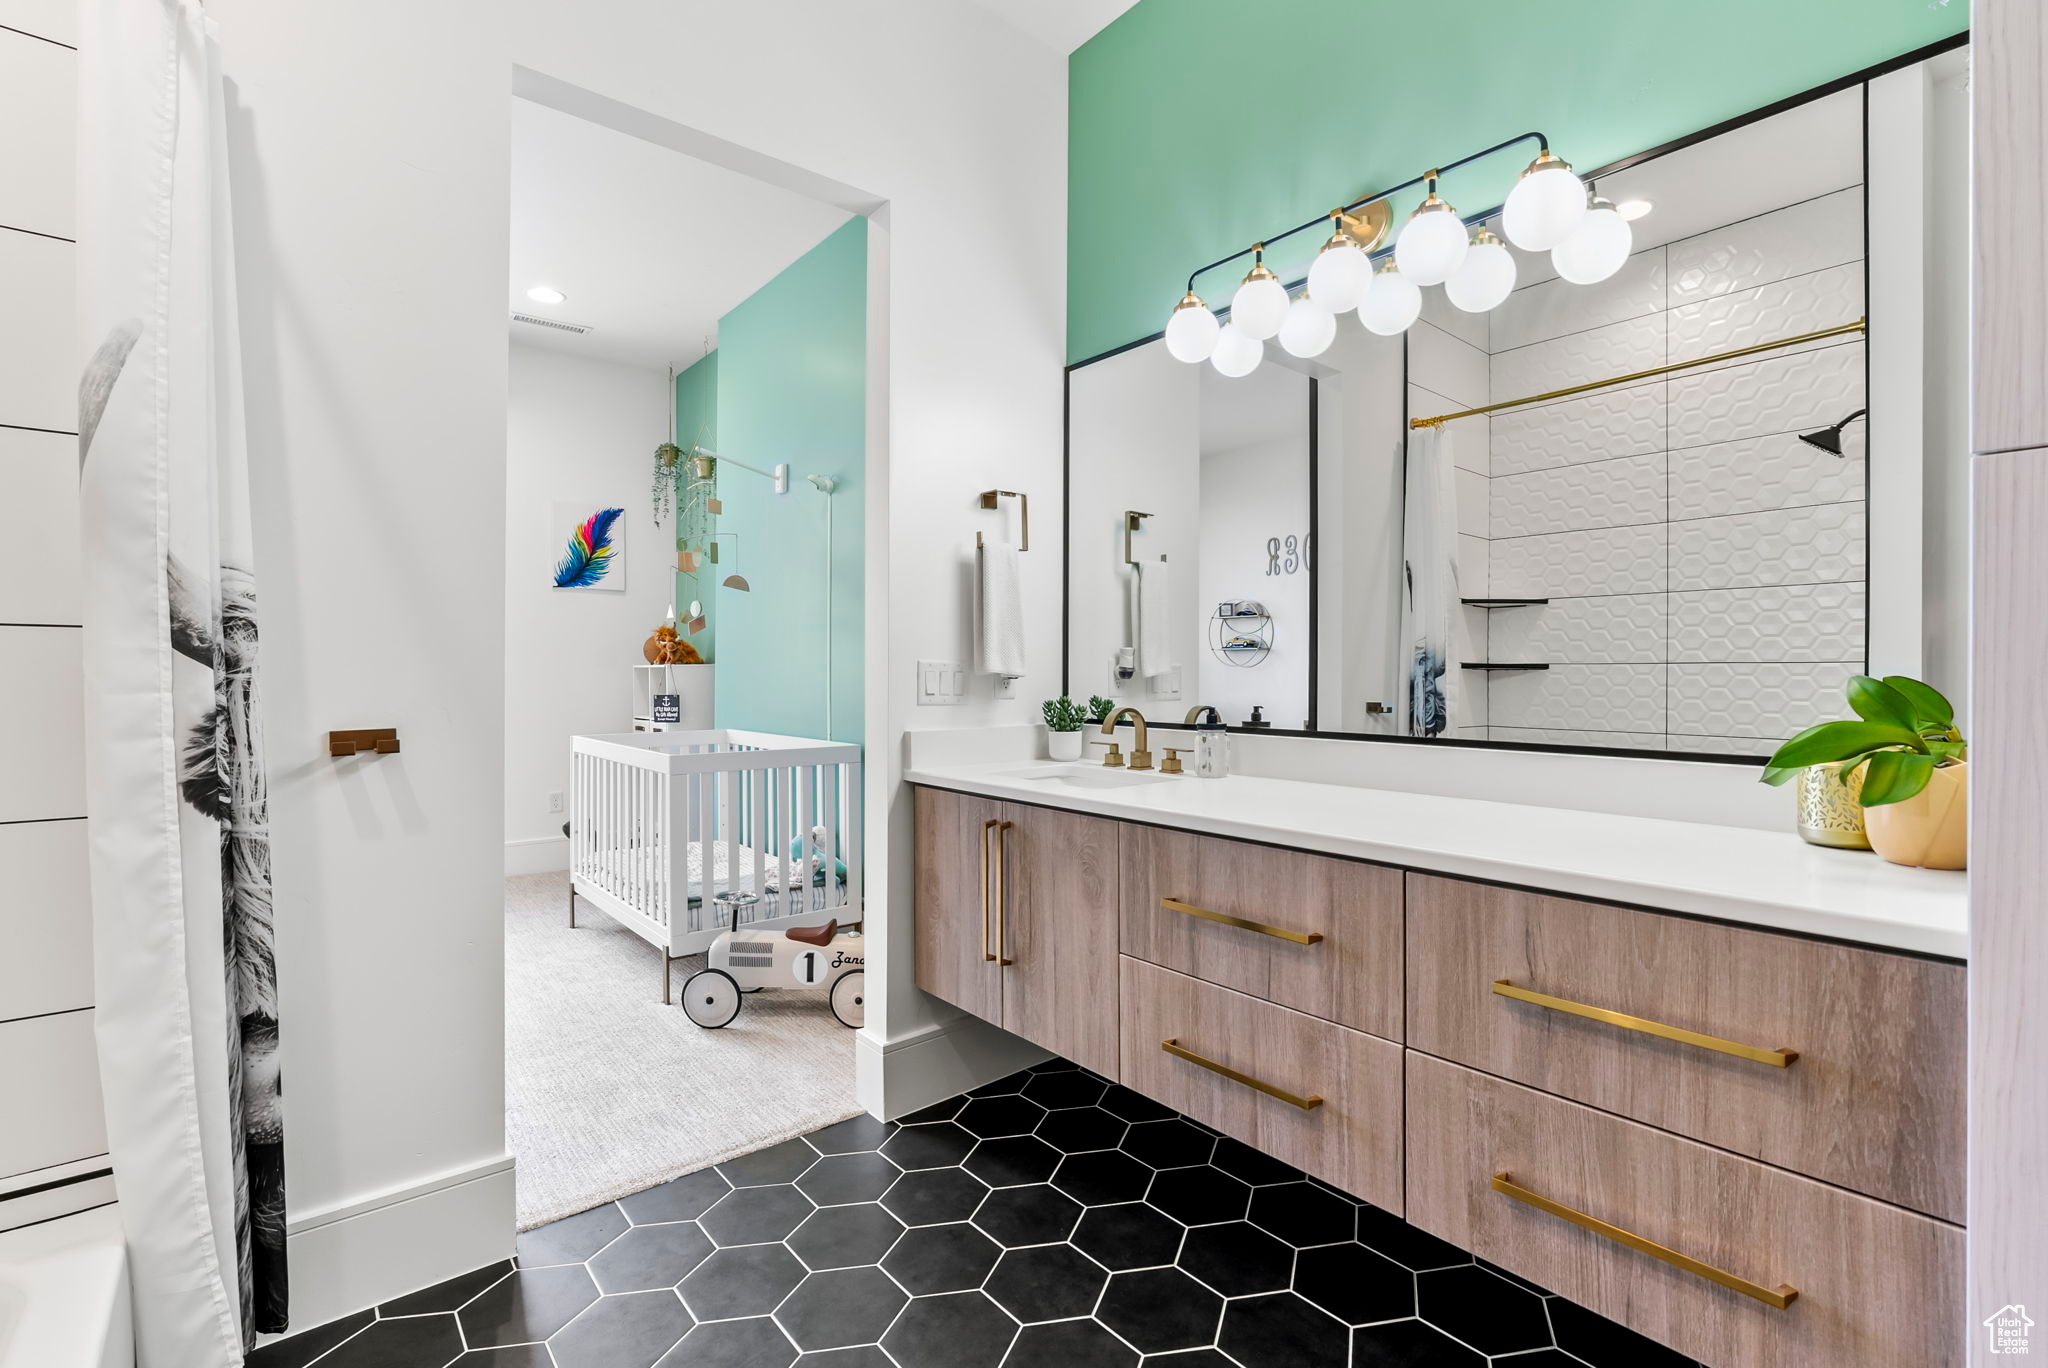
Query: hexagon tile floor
{"points": [[1048, 1220]]}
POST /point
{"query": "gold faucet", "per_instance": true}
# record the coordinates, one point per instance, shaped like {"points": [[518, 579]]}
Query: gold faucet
{"points": [[1141, 758]]}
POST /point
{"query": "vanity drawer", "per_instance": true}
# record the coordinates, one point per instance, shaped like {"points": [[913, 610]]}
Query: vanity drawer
{"points": [[1351, 1137], [1873, 1100], [1320, 935], [1877, 1286]]}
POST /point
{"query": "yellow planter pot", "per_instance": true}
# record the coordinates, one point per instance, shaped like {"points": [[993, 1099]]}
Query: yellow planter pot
{"points": [[1932, 828]]}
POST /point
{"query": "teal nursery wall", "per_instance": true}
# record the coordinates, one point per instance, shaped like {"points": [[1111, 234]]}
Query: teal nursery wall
{"points": [[697, 425], [1196, 126], [790, 383]]}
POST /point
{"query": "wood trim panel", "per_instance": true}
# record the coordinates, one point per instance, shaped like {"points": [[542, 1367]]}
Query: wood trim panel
{"points": [[1059, 925], [1874, 1102], [1353, 1139], [1351, 976], [1878, 1287], [2009, 193], [948, 958]]}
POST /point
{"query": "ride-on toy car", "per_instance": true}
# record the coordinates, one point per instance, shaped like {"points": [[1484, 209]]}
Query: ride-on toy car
{"points": [[742, 962]]}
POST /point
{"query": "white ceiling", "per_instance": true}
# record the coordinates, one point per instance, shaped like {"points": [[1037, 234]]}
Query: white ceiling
{"points": [[1269, 405], [1061, 25], [652, 247]]}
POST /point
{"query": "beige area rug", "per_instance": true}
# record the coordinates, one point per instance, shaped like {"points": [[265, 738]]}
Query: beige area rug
{"points": [[608, 1092]]}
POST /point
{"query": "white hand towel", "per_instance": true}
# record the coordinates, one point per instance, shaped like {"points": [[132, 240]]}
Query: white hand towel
{"points": [[1155, 619], [999, 608]]}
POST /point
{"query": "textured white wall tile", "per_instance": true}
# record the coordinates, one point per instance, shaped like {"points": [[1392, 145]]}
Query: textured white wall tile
{"points": [[42, 755], [52, 1061], [1469, 436], [38, 362], [1770, 701], [1442, 363], [1775, 623], [1474, 574], [1554, 308], [1621, 560], [1597, 494], [1470, 631], [1557, 736], [38, 143], [56, 20], [1786, 242], [38, 527], [1758, 473], [1728, 745], [1596, 354], [1779, 394], [1609, 629], [1588, 697], [1468, 733], [45, 919], [1819, 545], [1473, 502], [1437, 309], [1592, 427], [1784, 308]]}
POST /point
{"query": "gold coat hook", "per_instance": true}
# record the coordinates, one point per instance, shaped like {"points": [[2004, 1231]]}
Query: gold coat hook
{"points": [[375, 740]]}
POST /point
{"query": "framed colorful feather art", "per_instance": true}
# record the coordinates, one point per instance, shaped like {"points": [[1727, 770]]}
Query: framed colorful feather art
{"points": [[588, 547]]}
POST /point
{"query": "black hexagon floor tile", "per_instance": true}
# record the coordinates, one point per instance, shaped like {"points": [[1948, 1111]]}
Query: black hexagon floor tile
{"points": [[1237, 1259], [1160, 1309], [1048, 1283], [945, 1258], [854, 1135], [1071, 1088], [841, 1308], [1133, 1235], [1007, 1086], [1013, 1160], [1171, 1143], [757, 1342], [1102, 1177], [845, 1236], [685, 1199], [572, 1239], [1414, 1249], [1198, 1196], [1079, 1129], [841, 1178], [781, 1163], [391, 1343], [937, 1111], [1303, 1214], [527, 1306], [749, 1281], [938, 1145], [1122, 1102], [1035, 1214], [1412, 1341], [1354, 1284], [446, 1296], [935, 1196], [957, 1330], [1070, 1344], [1601, 1343], [1242, 1161], [1283, 1331], [990, 1118], [629, 1331], [508, 1356], [752, 1215], [649, 1257], [1482, 1309], [860, 1356]]}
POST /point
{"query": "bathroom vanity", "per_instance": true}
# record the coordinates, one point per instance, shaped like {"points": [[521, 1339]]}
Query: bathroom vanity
{"points": [[1706, 1081]]}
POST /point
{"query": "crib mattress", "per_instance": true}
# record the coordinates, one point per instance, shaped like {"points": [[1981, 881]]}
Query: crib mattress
{"points": [[732, 870]]}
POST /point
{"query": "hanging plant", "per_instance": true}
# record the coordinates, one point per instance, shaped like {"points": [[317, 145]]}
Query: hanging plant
{"points": [[670, 471]]}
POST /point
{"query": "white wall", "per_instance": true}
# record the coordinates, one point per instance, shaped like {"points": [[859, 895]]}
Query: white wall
{"points": [[55, 1133], [576, 431], [1251, 495]]}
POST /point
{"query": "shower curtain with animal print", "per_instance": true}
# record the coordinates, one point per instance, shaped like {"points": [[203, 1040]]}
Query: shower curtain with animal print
{"points": [[187, 1013]]}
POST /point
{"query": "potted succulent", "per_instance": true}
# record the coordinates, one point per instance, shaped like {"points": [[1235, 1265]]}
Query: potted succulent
{"points": [[1910, 760], [1099, 708], [1063, 722]]}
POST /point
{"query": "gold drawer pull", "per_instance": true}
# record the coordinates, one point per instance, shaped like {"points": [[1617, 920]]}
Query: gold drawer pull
{"points": [[1225, 919], [1780, 1297], [1775, 1058], [987, 955], [1179, 1051]]}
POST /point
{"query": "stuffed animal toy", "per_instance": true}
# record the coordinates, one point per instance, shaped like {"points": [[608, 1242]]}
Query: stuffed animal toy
{"points": [[666, 648]]}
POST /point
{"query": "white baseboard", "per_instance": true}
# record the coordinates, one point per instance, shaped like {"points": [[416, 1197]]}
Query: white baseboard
{"points": [[894, 1078], [355, 1254], [536, 855]]}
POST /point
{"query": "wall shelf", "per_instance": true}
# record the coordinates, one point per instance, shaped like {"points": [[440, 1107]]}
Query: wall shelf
{"points": [[1501, 602], [1493, 665]]}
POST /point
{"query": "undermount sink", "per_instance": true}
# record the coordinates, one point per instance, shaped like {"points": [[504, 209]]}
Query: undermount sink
{"points": [[1094, 777]]}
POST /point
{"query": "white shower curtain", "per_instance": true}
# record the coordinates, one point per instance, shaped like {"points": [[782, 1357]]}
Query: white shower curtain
{"points": [[186, 989], [1429, 600]]}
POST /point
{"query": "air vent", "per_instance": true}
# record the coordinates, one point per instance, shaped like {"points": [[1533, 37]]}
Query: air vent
{"points": [[557, 324]]}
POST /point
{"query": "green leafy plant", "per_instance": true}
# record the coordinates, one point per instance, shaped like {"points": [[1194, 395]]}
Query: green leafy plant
{"points": [[1100, 708], [668, 480], [1063, 714], [1904, 732]]}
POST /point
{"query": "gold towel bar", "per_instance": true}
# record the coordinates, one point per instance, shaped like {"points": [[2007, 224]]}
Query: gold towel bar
{"points": [[1180, 1051], [1776, 1058], [1225, 919], [1780, 1297]]}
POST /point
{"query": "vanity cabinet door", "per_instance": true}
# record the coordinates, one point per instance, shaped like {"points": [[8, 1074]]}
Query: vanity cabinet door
{"points": [[955, 909], [1056, 925]]}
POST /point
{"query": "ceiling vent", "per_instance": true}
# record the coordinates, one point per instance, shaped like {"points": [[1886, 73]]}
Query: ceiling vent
{"points": [[577, 329]]}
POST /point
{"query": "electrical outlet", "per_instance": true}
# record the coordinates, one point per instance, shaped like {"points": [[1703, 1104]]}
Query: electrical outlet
{"points": [[556, 803]]}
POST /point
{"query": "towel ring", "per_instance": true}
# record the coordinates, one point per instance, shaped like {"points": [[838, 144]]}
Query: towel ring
{"points": [[990, 498], [1132, 521]]}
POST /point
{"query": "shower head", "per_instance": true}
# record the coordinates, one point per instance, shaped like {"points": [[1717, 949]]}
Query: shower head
{"points": [[1829, 439]]}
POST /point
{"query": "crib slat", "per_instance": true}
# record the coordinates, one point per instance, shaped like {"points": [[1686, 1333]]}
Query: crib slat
{"points": [[851, 842], [807, 778], [707, 851], [757, 822], [828, 892]]}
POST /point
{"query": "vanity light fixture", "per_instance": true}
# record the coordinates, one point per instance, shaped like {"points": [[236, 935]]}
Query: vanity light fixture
{"points": [[1309, 330], [1546, 204], [546, 294], [1433, 244], [1486, 278], [1633, 209], [1596, 248], [1260, 305], [1391, 304], [1341, 271], [1237, 352], [1191, 332]]}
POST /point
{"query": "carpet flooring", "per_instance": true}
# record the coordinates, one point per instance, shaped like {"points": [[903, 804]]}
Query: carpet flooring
{"points": [[608, 1092]]}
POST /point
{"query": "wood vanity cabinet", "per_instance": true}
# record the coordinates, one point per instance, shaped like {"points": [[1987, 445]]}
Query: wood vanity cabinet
{"points": [[1017, 920]]}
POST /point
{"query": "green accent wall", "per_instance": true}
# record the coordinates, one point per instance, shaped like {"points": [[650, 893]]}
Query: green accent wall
{"points": [[791, 384], [697, 425], [1196, 126]]}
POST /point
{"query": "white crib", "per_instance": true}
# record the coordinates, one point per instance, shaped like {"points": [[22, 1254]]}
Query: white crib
{"points": [[660, 822]]}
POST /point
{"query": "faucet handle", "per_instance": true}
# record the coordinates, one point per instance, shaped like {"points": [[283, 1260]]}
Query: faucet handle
{"points": [[1171, 764], [1115, 758]]}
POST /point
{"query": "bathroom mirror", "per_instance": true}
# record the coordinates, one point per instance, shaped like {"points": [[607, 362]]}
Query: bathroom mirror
{"points": [[1703, 491]]}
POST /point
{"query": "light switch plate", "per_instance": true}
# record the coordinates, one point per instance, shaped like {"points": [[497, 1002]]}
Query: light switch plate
{"points": [[941, 683]]}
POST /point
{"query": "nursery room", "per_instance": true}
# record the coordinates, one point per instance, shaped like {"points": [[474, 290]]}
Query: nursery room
{"points": [[682, 646]]}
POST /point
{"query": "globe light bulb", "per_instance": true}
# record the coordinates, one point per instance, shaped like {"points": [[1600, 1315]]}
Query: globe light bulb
{"points": [[1191, 331], [1340, 273], [1596, 248], [1309, 329], [1391, 304], [1260, 305], [1237, 352], [1432, 244], [1486, 278], [1545, 205]]}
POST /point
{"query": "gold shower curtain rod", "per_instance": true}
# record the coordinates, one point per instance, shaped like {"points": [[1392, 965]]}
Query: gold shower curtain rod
{"points": [[1440, 419]]}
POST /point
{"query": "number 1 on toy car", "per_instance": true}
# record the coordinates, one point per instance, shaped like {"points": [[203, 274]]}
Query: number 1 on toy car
{"points": [[809, 969]]}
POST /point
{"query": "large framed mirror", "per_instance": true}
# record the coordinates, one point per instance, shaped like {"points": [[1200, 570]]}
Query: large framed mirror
{"points": [[1670, 511]]}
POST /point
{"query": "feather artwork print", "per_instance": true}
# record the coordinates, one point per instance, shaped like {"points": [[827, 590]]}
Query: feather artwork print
{"points": [[592, 546]]}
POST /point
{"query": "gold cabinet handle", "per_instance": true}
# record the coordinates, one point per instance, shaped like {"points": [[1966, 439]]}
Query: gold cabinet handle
{"points": [[1225, 919], [1779, 1297], [1775, 1058], [1003, 893], [1180, 1051], [991, 824]]}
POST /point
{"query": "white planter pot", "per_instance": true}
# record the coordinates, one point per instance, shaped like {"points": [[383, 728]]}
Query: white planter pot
{"points": [[1063, 745]]}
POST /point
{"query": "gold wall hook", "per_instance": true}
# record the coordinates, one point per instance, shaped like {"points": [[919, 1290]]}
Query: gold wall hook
{"points": [[373, 740]]}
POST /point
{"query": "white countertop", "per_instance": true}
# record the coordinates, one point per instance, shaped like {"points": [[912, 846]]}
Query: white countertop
{"points": [[1762, 878]]}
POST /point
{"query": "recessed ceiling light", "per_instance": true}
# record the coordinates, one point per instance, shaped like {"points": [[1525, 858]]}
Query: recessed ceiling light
{"points": [[1632, 209], [548, 294]]}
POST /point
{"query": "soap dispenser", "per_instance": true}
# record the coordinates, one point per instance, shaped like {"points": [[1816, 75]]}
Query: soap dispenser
{"points": [[1212, 742]]}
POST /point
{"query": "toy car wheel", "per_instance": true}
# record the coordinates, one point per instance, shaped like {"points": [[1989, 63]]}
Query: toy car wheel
{"points": [[711, 998], [849, 999]]}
